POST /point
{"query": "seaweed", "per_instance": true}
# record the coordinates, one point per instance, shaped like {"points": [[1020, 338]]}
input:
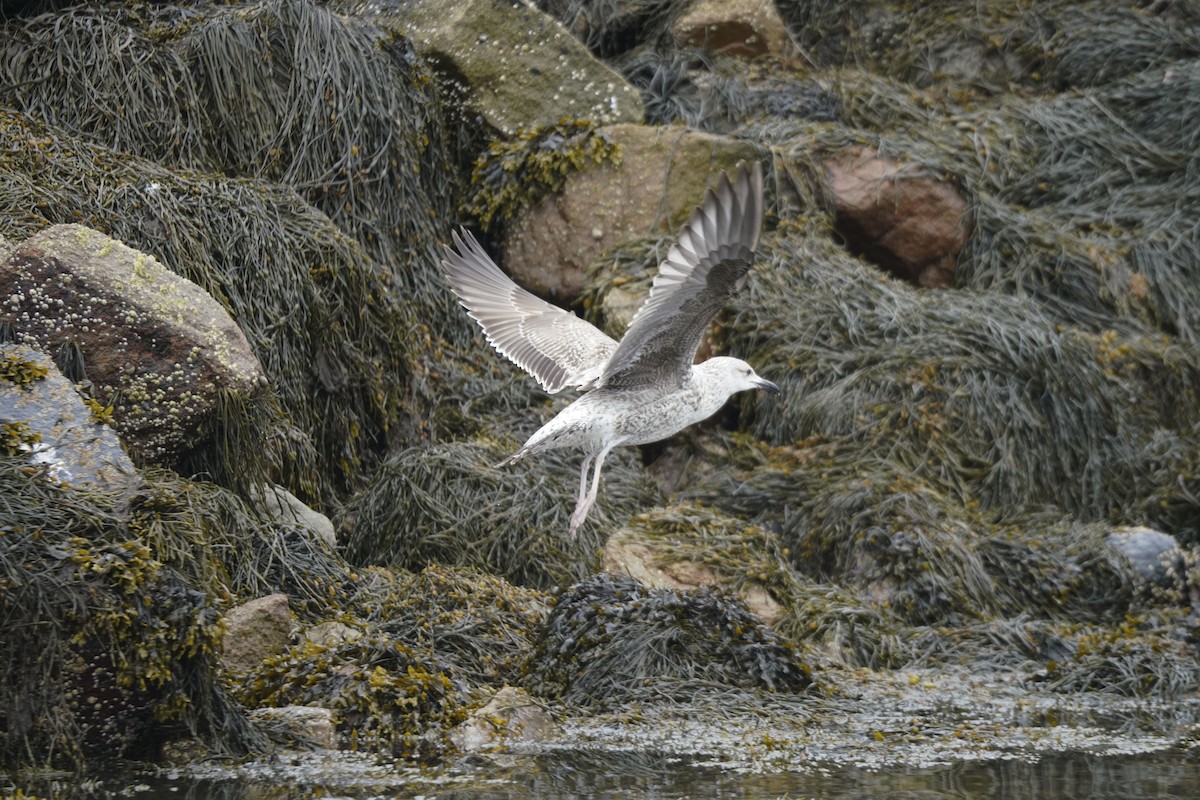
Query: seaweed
{"points": [[991, 400], [479, 625], [516, 173], [447, 503], [104, 641], [388, 698], [611, 641]]}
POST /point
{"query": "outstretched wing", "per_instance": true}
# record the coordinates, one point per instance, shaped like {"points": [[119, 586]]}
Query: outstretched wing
{"points": [[553, 345], [705, 267]]}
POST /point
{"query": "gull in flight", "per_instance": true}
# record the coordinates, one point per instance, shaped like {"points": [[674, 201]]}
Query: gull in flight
{"points": [[645, 387]]}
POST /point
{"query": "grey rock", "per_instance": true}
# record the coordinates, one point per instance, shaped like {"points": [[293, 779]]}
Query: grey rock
{"points": [[1157, 559], [290, 510], [62, 433]]}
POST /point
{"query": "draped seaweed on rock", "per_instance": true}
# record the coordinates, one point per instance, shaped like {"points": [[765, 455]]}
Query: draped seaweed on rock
{"points": [[981, 394], [326, 325], [515, 174], [611, 641], [108, 636]]}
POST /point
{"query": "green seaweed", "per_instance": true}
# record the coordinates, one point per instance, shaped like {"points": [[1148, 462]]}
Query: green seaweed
{"points": [[516, 173]]}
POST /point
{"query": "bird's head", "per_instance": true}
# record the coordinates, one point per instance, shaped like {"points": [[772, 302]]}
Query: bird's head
{"points": [[735, 375]]}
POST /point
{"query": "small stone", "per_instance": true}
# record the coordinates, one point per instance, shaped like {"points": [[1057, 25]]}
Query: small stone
{"points": [[290, 510], [306, 725], [255, 630], [510, 717]]}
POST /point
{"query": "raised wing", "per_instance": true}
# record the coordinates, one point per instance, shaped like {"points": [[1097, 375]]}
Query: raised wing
{"points": [[705, 267], [553, 345]]}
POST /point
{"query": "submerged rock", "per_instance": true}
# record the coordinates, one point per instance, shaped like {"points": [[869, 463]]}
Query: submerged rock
{"points": [[155, 346]]}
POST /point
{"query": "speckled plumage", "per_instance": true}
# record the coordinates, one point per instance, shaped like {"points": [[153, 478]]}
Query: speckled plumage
{"points": [[645, 387]]}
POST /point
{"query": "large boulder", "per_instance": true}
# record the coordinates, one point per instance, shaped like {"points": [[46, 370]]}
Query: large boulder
{"points": [[520, 67], [898, 216], [661, 177], [155, 346]]}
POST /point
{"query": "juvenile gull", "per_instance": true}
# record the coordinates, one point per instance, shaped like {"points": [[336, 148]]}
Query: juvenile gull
{"points": [[646, 387]]}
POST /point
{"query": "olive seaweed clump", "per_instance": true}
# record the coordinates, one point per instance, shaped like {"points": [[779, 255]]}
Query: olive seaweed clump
{"points": [[611, 640]]}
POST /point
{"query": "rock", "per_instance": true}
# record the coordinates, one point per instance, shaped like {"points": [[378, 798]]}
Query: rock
{"points": [[626, 554], [291, 511], [662, 176], [43, 416], [255, 630], [746, 28], [305, 725], [898, 216], [521, 68], [331, 634], [1157, 560], [156, 346], [510, 717]]}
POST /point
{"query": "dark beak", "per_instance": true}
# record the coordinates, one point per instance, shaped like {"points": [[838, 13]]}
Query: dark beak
{"points": [[767, 386]]}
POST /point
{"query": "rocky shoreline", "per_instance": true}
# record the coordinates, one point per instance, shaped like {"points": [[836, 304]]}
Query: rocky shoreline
{"points": [[248, 499]]}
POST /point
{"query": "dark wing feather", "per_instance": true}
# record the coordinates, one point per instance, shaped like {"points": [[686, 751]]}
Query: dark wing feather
{"points": [[705, 267], [553, 345]]}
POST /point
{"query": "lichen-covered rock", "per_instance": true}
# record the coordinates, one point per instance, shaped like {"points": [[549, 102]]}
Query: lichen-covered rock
{"points": [[745, 28], [899, 216], [46, 420], [661, 177], [256, 630], [521, 68], [156, 347]]}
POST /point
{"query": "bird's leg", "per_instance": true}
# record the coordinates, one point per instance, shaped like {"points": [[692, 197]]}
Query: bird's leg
{"points": [[585, 501], [583, 474]]}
